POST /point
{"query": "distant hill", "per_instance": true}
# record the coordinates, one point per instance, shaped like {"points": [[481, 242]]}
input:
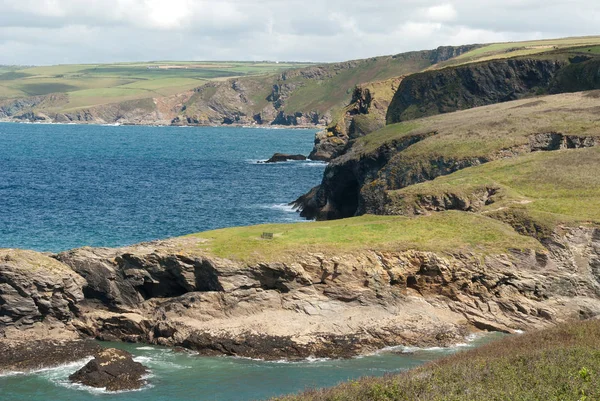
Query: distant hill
{"points": [[216, 93]]}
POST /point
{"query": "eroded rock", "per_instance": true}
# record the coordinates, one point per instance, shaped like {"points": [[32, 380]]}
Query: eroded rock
{"points": [[113, 370]]}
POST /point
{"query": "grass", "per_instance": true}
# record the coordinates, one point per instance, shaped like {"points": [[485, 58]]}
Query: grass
{"points": [[97, 84], [560, 363], [335, 92], [483, 131], [443, 232], [515, 49], [559, 187]]}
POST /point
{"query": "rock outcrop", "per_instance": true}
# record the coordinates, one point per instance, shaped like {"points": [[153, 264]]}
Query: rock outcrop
{"points": [[356, 182], [36, 289], [335, 304], [284, 157], [330, 304], [458, 88], [365, 114], [113, 370]]}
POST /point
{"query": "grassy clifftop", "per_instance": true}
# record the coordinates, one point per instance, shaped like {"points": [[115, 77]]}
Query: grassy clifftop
{"points": [[444, 232]]}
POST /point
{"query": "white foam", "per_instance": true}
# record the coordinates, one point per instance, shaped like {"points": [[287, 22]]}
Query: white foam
{"points": [[70, 367], [283, 207], [150, 361], [313, 164], [146, 348]]}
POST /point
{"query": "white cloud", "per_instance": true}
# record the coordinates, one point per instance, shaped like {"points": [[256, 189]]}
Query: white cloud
{"points": [[442, 13], [58, 31]]}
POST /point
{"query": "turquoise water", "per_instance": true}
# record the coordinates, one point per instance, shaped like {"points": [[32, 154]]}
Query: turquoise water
{"points": [[66, 186], [177, 376]]}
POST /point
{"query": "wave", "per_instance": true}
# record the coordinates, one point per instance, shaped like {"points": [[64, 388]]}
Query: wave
{"points": [[157, 362], [284, 207], [67, 367], [296, 163]]}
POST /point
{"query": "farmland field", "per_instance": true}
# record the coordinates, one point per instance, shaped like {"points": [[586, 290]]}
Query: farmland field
{"points": [[94, 84]]}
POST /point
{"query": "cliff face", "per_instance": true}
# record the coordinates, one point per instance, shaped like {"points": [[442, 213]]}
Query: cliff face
{"points": [[365, 114], [463, 87], [148, 111], [471, 85], [305, 97], [398, 156], [367, 109], [332, 304]]}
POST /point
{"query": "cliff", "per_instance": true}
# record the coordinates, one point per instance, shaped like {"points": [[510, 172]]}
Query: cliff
{"points": [[478, 84], [304, 294], [416, 151], [304, 97]]}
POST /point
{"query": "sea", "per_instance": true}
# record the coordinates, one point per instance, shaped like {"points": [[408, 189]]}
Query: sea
{"points": [[68, 186]]}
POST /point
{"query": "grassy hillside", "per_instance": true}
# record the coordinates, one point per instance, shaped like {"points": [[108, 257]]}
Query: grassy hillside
{"points": [[481, 131], [90, 85], [401, 155], [496, 51], [561, 363], [534, 192]]}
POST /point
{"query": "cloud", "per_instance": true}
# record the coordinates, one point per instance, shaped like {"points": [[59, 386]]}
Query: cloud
{"points": [[87, 31], [442, 13]]}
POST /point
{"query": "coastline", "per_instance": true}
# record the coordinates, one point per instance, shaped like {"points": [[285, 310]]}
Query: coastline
{"points": [[129, 124]]}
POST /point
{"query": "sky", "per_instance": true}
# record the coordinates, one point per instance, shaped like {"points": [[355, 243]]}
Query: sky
{"points": [[42, 32]]}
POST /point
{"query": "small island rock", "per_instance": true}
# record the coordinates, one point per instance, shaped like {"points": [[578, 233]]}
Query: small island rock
{"points": [[283, 157], [112, 369]]}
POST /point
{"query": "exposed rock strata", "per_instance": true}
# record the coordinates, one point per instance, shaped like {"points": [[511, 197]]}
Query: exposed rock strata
{"points": [[334, 304], [466, 86], [35, 288]]}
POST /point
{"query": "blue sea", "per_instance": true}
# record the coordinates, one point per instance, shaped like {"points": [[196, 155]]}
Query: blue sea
{"points": [[66, 186]]}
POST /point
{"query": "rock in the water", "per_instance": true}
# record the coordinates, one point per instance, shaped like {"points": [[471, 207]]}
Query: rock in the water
{"points": [[283, 157], [112, 369]]}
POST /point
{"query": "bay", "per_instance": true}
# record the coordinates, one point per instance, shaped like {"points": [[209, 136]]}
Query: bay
{"points": [[66, 186]]}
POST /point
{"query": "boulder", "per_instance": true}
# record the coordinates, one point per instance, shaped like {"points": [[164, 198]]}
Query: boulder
{"points": [[113, 370]]}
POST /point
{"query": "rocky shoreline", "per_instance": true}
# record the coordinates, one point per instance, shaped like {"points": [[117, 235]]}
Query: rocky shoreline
{"points": [[335, 305]]}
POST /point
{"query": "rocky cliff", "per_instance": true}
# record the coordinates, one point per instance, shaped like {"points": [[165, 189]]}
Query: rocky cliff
{"points": [[402, 155], [471, 85], [333, 304], [304, 97], [365, 114]]}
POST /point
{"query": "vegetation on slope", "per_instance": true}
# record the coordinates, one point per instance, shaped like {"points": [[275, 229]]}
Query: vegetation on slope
{"points": [[550, 187], [408, 153], [560, 363], [90, 85], [495, 51], [481, 131]]}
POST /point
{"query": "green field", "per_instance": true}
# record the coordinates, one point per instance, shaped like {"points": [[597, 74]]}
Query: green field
{"points": [[516, 49], [443, 232], [93, 84]]}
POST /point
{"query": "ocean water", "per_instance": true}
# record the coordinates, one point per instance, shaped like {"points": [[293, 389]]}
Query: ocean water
{"points": [[180, 376], [66, 186]]}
